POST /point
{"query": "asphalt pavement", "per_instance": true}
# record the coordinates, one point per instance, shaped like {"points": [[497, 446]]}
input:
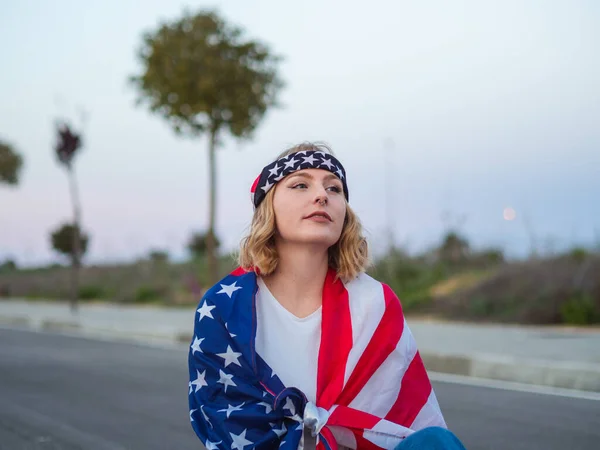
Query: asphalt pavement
{"points": [[562, 357], [69, 392]]}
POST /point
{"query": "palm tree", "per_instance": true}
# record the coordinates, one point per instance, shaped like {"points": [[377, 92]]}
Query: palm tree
{"points": [[66, 148]]}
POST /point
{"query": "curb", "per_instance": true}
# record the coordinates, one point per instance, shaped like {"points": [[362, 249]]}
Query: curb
{"points": [[558, 374], [18, 321], [59, 325], [184, 338]]}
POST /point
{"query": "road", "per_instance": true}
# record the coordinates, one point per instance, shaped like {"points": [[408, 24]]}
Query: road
{"points": [[65, 392]]}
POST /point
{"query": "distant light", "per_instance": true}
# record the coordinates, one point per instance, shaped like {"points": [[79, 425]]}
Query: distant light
{"points": [[509, 214]]}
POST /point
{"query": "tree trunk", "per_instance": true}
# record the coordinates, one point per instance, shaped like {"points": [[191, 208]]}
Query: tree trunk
{"points": [[211, 250], [76, 260]]}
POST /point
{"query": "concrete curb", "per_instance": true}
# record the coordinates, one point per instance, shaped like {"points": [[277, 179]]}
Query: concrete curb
{"points": [[18, 321], [184, 338], [560, 374], [59, 325]]}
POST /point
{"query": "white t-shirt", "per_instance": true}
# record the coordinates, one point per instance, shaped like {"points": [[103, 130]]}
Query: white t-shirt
{"points": [[289, 345]]}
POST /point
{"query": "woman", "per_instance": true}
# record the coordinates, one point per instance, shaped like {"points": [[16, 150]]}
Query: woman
{"points": [[298, 347]]}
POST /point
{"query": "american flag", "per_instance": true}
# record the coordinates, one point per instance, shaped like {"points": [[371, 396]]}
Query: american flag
{"points": [[372, 387]]}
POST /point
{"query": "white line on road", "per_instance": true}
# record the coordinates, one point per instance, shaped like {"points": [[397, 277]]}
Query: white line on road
{"points": [[512, 386]]}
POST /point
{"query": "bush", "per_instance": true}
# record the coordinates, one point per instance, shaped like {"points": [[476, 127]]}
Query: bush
{"points": [[148, 294], [159, 256], [411, 279], [8, 266], [578, 254], [92, 292], [579, 310]]}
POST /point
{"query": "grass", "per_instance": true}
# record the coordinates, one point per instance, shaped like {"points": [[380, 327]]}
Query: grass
{"points": [[138, 283], [560, 290]]}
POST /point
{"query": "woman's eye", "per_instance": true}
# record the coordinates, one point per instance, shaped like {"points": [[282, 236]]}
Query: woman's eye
{"points": [[299, 185], [335, 189]]}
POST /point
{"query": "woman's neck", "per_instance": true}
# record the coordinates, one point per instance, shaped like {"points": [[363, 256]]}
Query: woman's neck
{"points": [[297, 282]]}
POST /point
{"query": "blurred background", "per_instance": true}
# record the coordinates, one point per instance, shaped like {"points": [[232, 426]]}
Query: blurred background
{"points": [[131, 133], [469, 131]]}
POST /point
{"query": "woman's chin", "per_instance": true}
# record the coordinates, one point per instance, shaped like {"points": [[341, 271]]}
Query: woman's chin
{"points": [[324, 240]]}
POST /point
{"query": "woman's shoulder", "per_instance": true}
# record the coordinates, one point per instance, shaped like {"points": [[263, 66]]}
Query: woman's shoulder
{"points": [[232, 282], [237, 284], [366, 284], [370, 292]]}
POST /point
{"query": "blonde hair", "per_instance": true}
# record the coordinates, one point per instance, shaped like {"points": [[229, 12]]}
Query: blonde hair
{"points": [[348, 256]]}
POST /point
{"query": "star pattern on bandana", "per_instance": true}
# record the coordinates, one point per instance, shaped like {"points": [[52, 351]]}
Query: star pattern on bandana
{"points": [[275, 170], [306, 159]]}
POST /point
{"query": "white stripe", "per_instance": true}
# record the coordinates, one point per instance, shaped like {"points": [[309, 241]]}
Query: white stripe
{"points": [[381, 391], [367, 305], [343, 436], [386, 434], [430, 415]]}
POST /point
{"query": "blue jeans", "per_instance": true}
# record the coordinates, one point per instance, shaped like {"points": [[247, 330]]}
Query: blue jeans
{"points": [[432, 438]]}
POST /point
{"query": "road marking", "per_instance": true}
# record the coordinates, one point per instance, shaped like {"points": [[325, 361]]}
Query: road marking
{"points": [[512, 386]]}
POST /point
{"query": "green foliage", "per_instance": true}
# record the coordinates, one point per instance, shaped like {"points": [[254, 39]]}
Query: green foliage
{"points": [[11, 164], [177, 283], [148, 294], [579, 310], [410, 278], [493, 256], [204, 77], [92, 292], [159, 256], [454, 248], [201, 75], [198, 244], [578, 254], [8, 266], [62, 240]]}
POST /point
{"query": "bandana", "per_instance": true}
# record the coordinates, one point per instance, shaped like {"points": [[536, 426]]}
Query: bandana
{"points": [[281, 168]]}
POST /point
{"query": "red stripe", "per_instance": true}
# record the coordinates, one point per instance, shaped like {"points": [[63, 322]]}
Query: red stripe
{"points": [[336, 341], [239, 271], [380, 346], [327, 435], [267, 389], [254, 184], [352, 418], [356, 421], [413, 395]]}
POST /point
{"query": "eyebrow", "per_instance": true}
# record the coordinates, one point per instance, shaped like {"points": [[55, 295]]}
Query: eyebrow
{"points": [[309, 176]]}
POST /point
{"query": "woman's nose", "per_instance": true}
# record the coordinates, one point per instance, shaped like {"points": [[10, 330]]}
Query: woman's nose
{"points": [[321, 199]]}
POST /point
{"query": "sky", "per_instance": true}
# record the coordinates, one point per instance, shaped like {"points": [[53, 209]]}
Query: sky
{"points": [[443, 114]]}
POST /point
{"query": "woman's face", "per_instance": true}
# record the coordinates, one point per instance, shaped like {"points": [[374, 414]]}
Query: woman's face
{"points": [[301, 195]]}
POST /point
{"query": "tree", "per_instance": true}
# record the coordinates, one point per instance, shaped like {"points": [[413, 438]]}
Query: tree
{"points": [[67, 147], [454, 248], [204, 78], [159, 256], [198, 243], [8, 265], [11, 164], [63, 242]]}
